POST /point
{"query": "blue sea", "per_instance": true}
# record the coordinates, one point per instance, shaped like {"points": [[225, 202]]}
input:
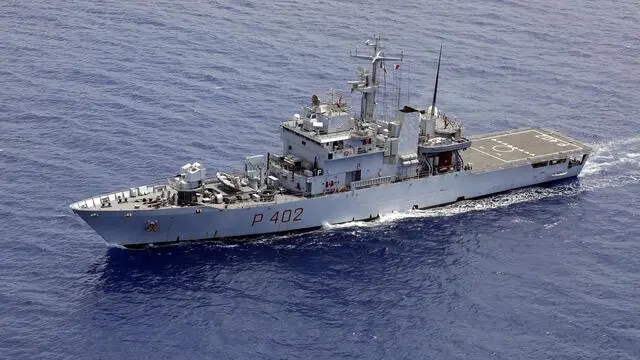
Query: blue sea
{"points": [[96, 96]]}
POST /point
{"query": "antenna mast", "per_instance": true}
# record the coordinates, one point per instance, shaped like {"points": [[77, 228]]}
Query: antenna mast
{"points": [[435, 90], [368, 81]]}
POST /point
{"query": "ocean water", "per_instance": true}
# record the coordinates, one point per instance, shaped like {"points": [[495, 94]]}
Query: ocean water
{"points": [[97, 96]]}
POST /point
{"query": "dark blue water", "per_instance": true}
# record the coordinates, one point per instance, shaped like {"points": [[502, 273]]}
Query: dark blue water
{"points": [[100, 96]]}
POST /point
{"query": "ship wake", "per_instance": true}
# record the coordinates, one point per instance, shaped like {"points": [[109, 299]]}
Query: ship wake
{"points": [[612, 164]]}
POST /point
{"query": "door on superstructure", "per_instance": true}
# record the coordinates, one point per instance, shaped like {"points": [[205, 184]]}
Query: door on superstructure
{"points": [[445, 162], [353, 176]]}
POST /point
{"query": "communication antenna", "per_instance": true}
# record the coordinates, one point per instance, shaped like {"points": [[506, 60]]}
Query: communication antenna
{"points": [[435, 90]]}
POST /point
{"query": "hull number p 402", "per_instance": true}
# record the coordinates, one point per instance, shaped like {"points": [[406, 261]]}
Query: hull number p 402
{"points": [[282, 216]]}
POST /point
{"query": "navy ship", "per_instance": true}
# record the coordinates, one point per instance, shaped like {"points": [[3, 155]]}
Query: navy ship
{"points": [[336, 167]]}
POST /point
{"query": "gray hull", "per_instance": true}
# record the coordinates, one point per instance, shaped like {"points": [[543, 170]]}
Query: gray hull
{"points": [[179, 224]]}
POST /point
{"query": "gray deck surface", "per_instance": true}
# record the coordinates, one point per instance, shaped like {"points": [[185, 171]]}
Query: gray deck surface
{"points": [[507, 148]]}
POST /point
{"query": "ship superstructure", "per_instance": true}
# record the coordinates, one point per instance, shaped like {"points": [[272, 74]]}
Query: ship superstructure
{"points": [[335, 167]]}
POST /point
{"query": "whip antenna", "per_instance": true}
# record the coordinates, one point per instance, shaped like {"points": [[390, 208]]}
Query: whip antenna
{"points": [[435, 90]]}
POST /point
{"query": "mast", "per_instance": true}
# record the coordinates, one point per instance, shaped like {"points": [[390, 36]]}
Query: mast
{"points": [[368, 81], [435, 90]]}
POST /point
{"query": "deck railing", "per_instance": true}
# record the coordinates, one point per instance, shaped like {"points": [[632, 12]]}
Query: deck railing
{"points": [[372, 182]]}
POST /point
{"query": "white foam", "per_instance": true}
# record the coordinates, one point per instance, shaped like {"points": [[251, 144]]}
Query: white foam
{"points": [[116, 246], [350, 224], [623, 155], [612, 164]]}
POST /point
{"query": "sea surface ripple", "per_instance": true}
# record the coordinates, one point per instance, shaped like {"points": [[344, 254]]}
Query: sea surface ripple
{"points": [[97, 96]]}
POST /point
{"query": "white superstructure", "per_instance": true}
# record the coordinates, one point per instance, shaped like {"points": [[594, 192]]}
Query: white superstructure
{"points": [[335, 167]]}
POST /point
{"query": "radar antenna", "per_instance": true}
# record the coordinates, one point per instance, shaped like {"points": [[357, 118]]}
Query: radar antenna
{"points": [[368, 80]]}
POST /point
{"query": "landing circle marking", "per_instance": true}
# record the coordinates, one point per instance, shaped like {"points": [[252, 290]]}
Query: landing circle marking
{"points": [[503, 148]]}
